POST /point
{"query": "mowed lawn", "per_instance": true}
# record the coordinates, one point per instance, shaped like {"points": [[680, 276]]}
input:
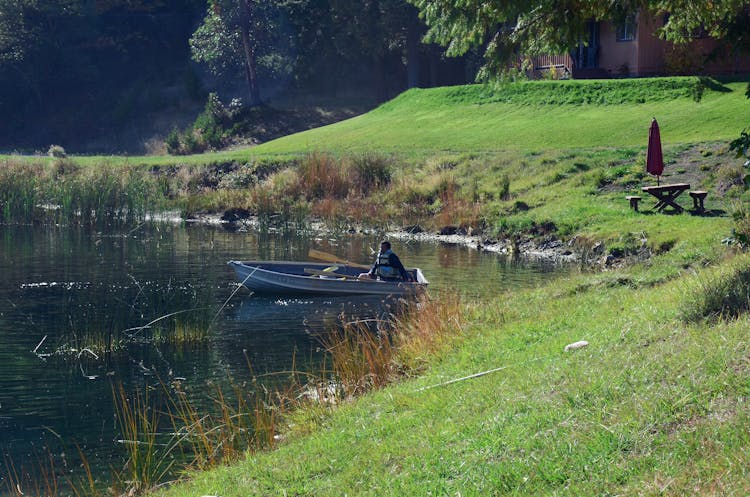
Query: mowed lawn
{"points": [[528, 116], [423, 121]]}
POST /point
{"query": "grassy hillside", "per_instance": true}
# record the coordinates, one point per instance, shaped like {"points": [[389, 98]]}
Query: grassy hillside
{"points": [[533, 116], [529, 116], [655, 405]]}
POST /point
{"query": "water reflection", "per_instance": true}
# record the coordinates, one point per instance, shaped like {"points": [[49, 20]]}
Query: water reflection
{"points": [[71, 289]]}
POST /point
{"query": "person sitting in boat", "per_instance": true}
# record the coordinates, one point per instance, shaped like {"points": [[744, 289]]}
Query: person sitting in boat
{"points": [[387, 266]]}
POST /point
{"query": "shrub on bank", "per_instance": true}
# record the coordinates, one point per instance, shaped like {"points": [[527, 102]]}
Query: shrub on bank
{"points": [[722, 292]]}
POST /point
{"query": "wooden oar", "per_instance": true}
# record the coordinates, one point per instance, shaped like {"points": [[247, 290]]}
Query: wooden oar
{"points": [[325, 256], [318, 272]]}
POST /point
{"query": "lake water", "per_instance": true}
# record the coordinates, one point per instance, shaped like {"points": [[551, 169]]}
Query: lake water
{"points": [[64, 289]]}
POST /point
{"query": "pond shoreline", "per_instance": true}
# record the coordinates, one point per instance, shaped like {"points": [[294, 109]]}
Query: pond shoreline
{"points": [[550, 248]]}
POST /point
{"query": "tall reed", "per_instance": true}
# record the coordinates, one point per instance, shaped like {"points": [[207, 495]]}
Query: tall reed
{"points": [[64, 193], [151, 455], [19, 190], [370, 354]]}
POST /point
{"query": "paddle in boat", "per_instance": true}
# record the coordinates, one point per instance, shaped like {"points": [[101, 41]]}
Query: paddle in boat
{"points": [[281, 277]]}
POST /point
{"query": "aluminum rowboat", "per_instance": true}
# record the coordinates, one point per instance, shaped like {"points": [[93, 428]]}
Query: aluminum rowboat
{"points": [[313, 278]]}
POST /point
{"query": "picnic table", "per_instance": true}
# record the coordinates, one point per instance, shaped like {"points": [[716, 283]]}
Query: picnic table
{"points": [[666, 195]]}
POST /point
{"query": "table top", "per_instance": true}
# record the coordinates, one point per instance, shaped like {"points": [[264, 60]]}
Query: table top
{"points": [[673, 186]]}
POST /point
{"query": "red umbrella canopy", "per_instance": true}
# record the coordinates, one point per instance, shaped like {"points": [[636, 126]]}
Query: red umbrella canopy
{"points": [[654, 159]]}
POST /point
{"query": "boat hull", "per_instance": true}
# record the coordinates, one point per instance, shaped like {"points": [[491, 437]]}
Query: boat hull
{"points": [[293, 278]]}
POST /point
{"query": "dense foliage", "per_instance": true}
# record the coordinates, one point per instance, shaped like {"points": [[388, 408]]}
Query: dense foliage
{"points": [[504, 29], [74, 69]]}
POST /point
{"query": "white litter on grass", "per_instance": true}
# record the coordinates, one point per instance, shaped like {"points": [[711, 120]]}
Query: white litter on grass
{"points": [[576, 345]]}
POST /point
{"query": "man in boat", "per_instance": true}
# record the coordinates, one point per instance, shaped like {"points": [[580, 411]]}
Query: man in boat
{"points": [[387, 266]]}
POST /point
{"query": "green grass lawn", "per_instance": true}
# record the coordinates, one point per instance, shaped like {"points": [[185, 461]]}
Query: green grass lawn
{"points": [[655, 405], [431, 120], [529, 116]]}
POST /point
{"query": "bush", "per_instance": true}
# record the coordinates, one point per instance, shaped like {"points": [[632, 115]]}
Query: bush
{"points": [[370, 172], [173, 142], [718, 293]]}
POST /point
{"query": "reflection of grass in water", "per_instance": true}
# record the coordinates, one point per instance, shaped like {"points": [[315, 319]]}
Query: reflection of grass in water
{"points": [[47, 479]]}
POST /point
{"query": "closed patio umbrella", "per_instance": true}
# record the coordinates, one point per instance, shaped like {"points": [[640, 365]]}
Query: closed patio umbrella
{"points": [[654, 159]]}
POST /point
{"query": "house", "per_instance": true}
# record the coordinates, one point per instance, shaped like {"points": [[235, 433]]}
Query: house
{"points": [[632, 48]]}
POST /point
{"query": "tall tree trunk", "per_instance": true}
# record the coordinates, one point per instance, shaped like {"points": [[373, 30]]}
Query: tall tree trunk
{"points": [[412, 48], [251, 75]]}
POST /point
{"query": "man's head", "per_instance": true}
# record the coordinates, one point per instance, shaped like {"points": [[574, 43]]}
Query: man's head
{"points": [[385, 246]]}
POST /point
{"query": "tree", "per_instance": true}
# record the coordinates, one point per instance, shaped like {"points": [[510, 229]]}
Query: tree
{"points": [[241, 35], [508, 28]]}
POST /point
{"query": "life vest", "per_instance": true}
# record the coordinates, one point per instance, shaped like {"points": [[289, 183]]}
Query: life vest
{"points": [[384, 269]]}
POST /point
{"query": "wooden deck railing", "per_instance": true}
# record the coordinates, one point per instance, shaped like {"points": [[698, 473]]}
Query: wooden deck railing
{"points": [[542, 62]]}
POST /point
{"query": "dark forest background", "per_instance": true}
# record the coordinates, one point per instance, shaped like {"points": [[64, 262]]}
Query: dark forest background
{"points": [[115, 76]]}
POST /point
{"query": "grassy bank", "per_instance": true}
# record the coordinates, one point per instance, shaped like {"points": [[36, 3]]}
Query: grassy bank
{"points": [[655, 405]]}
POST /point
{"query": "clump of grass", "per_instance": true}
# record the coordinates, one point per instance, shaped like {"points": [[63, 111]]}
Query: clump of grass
{"points": [[722, 292], [427, 327], [731, 175], [321, 175], [361, 358], [454, 210], [370, 172], [150, 455], [366, 355], [182, 333], [244, 419]]}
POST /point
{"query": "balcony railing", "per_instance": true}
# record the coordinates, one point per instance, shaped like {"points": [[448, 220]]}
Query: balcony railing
{"points": [[547, 62]]}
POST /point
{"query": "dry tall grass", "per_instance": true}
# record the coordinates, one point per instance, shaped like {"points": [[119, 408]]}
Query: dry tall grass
{"points": [[370, 354]]}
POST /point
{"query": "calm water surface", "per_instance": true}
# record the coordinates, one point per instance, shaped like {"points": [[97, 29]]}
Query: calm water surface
{"points": [[65, 288]]}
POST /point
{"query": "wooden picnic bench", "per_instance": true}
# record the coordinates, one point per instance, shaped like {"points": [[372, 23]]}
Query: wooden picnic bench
{"points": [[633, 199], [698, 197], [667, 195]]}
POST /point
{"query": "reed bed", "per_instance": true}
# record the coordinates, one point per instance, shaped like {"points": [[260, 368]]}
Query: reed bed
{"points": [[340, 190], [61, 192]]}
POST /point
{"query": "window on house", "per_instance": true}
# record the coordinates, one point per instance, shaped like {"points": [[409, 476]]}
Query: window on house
{"points": [[626, 29]]}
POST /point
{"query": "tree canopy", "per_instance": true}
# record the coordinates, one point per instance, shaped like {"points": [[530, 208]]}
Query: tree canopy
{"points": [[507, 28]]}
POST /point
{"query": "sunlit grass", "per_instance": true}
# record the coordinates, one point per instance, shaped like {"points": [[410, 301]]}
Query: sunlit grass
{"points": [[652, 405]]}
